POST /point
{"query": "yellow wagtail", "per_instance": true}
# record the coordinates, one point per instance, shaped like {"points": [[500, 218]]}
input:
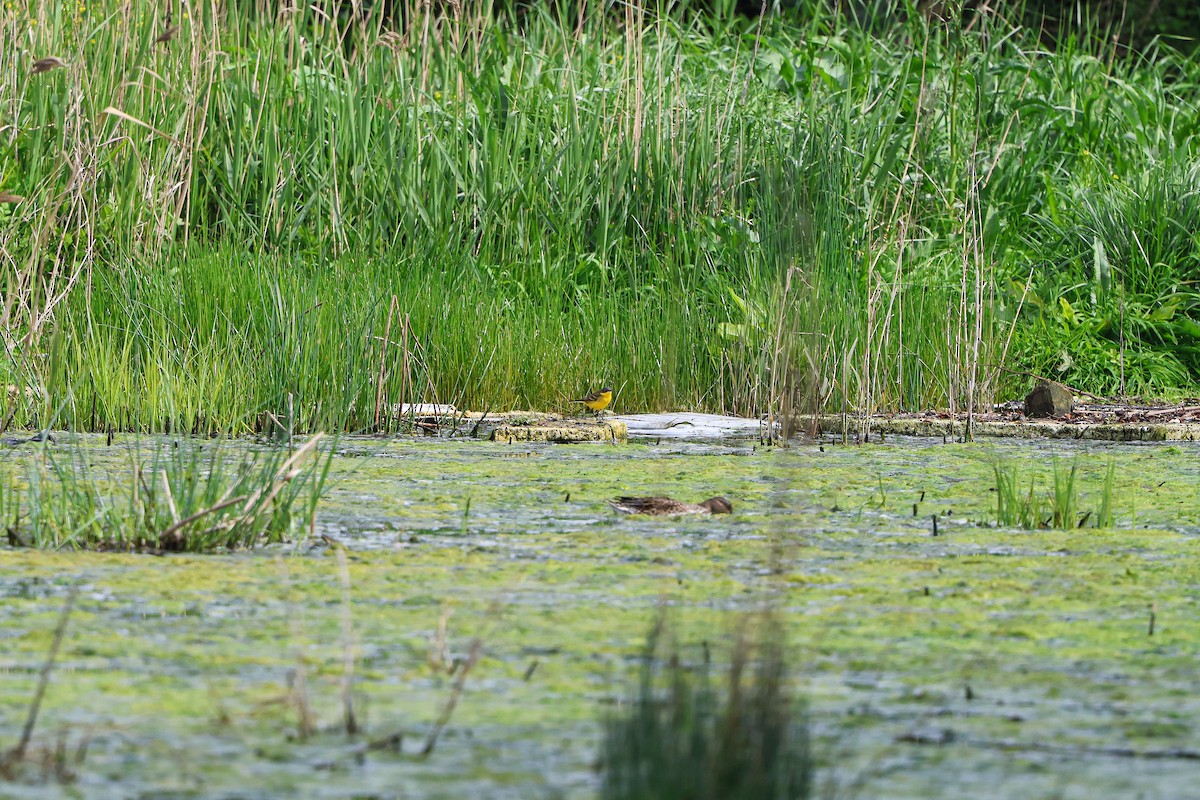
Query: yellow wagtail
{"points": [[597, 401]]}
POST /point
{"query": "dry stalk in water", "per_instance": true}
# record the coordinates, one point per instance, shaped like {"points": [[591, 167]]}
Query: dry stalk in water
{"points": [[17, 753], [456, 690], [348, 717], [298, 682], [438, 652]]}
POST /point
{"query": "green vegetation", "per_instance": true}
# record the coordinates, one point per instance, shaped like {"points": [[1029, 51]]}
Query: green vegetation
{"points": [[1135, 23], [694, 742], [183, 670], [505, 209], [1058, 508], [184, 497]]}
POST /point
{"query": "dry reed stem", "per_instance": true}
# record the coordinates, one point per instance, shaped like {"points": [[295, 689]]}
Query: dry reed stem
{"points": [[174, 530], [460, 680], [170, 497], [439, 650], [387, 333], [257, 500], [18, 751], [348, 658], [298, 684]]}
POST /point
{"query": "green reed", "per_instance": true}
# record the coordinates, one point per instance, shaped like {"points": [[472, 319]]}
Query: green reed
{"points": [[183, 496], [1057, 507], [683, 736], [708, 211]]}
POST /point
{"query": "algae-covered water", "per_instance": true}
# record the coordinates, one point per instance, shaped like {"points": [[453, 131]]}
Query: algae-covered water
{"points": [[982, 662]]}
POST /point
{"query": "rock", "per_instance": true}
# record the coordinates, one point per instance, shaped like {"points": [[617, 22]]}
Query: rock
{"points": [[1049, 399], [563, 431]]}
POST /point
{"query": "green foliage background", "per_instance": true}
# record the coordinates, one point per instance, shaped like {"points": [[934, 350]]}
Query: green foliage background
{"points": [[325, 214]]}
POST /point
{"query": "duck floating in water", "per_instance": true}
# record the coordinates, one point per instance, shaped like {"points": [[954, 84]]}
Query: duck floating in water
{"points": [[665, 506]]}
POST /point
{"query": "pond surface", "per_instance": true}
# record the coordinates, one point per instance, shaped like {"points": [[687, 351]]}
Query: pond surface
{"points": [[982, 662]]}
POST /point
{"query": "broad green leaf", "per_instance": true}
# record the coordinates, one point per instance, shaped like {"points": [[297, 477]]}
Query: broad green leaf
{"points": [[1166, 310], [732, 330], [740, 302], [1101, 269], [1067, 311], [1020, 290], [1186, 326]]}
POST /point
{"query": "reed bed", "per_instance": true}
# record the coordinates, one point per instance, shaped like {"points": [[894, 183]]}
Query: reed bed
{"points": [[186, 496], [215, 209]]}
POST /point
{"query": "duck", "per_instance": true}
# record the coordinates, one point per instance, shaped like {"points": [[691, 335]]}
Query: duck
{"points": [[665, 506]]}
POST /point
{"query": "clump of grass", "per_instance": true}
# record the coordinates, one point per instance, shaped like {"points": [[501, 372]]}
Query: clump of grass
{"points": [[1104, 518], [187, 497], [1056, 508], [682, 737], [1064, 498]]}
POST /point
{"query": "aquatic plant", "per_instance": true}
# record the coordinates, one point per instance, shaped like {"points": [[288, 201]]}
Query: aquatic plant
{"points": [[681, 737], [1104, 516], [186, 496], [1056, 508]]}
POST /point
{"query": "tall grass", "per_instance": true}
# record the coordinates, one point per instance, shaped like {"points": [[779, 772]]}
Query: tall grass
{"points": [[682, 737], [707, 211], [1058, 507], [187, 496]]}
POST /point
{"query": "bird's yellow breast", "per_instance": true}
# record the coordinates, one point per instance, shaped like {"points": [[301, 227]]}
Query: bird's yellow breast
{"points": [[598, 401]]}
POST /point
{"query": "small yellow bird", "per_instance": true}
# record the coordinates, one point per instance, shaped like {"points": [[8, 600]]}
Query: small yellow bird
{"points": [[597, 401]]}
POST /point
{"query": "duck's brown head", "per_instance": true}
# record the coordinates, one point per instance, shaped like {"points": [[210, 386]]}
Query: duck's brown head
{"points": [[718, 505]]}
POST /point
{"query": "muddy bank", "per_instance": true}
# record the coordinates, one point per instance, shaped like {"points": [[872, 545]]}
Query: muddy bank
{"points": [[1109, 423]]}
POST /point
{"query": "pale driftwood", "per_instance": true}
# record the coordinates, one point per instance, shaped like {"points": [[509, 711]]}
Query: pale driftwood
{"points": [[424, 409], [686, 425]]}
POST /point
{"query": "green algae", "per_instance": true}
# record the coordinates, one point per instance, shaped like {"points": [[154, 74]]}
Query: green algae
{"points": [[182, 663]]}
